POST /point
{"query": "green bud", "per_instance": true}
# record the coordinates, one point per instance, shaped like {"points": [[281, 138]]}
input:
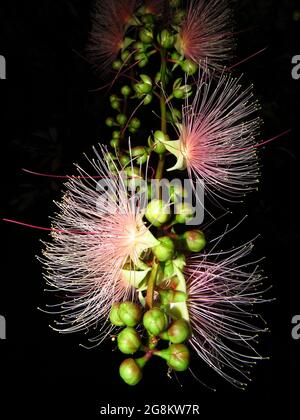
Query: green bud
{"points": [[109, 122], [141, 154], [178, 332], [172, 296], [157, 212], [130, 372], [124, 160], [159, 147], [182, 92], [177, 356], [133, 171], [115, 143], [148, 99], [194, 240], [114, 315], [147, 18], [117, 64], [177, 192], [165, 250], [129, 341], [174, 3], [132, 130], [184, 212], [135, 123], [189, 67], [116, 134], [146, 35], [155, 321], [139, 46], [175, 56], [125, 90], [121, 119], [124, 55], [113, 98], [165, 39], [115, 105], [130, 313]]}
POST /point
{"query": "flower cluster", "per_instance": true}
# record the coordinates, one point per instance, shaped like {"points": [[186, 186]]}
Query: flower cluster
{"points": [[123, 254]]}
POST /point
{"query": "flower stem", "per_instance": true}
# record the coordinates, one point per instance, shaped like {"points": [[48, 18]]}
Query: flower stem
{"points": [[151, 285]]}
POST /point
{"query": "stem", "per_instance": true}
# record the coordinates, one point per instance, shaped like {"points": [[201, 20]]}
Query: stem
{"points": [[151, 285]]}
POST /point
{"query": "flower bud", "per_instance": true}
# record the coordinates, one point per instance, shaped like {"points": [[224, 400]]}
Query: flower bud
{"points": [[139, 46], [146, 35], [121, 119], [140, 153], [109, 122], [135, 123], [157, 212], [130, 313], [114, 143], [147, 19], [193, 240], [182, 92], [179, 357], [178, 332], [148, 99], [165, 39], [129, 341], [126, 90], [189, 67], [159, 147], [116, 105], [130, 372], [165, 250], [133, 171], [155, 321], [116, 134], [124, 55], [117, 64], [172, 296], [184, 212], [124, 160], [114, 315]]}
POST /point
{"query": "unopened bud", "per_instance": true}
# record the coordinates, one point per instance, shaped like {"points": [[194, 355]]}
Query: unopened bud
{"points": [[129, 341], [130, 372], [130, 313], [155, 321]]}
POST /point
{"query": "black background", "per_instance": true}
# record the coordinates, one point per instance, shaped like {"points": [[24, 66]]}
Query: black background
{"points": [[50, 116]]}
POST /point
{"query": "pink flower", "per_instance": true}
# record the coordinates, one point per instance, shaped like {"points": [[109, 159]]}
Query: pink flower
{"points": [[221, 295], [217, 138], [205, 33], [98, 231], [108, 30]]}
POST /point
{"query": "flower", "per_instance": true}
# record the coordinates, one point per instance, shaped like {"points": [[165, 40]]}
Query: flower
{"points": [[205, 33], [217, 138], [98, 230], [221, 295], [106, 39]]}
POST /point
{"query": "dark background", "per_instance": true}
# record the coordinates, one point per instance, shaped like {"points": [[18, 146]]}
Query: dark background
{"points": [[50, 117]]}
